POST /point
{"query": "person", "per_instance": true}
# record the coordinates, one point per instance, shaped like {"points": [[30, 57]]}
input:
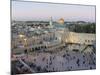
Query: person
{"points": [[26, 52]]}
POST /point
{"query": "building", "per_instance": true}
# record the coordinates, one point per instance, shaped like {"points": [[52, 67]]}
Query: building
{"points": [[61, 21]]}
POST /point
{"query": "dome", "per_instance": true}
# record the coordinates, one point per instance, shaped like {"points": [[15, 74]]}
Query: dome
{"points": [[61, 21]]}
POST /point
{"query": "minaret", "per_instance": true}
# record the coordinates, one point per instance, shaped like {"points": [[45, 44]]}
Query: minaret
{"points": [[50, 22]]}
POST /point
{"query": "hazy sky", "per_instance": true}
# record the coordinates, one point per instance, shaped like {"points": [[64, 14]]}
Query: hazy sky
{"points": [[43, 11]]}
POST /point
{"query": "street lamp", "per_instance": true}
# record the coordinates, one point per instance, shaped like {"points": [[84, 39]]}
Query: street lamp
{"points": [[25, 40], [26, 46], [21, 35]]}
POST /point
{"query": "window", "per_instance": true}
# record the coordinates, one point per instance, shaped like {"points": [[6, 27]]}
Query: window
{"points": [[88, 40], [85, 40], [92, 41]]}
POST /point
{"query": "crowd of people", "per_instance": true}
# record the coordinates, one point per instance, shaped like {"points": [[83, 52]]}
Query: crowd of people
{"points": [[59, 60], [63, 61]]}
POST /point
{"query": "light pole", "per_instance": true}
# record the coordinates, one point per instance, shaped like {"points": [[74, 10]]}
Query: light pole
{"points": [[26, 47], [24, 41], [21, 36]]}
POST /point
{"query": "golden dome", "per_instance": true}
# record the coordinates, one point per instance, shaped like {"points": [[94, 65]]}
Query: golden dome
{"points": [[61, 21]]}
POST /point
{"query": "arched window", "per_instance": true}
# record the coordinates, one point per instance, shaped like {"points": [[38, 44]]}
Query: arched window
{"points": [[88, 41], [85, 40]]}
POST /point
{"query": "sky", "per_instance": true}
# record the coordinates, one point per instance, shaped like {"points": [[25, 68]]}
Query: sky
{"points": [[36, 11]]}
